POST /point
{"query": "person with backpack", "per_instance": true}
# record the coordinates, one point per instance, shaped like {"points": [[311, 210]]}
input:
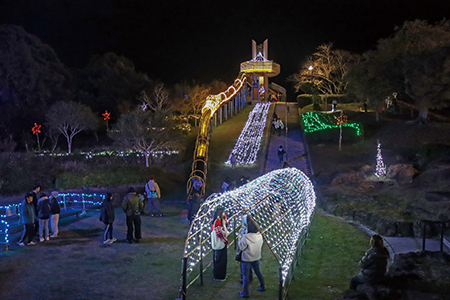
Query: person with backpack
{"points": [[43, 209], [107, 217], [132, 206], [153, 195]]}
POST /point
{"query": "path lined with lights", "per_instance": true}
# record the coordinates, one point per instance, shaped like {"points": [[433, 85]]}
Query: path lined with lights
{"points": [[249, 141]]}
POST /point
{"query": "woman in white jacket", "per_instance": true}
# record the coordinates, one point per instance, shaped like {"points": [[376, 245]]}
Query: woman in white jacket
{"points": [[251, 244]]}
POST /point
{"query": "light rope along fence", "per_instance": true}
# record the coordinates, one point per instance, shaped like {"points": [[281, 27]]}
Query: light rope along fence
{"points": [[281, 203]]}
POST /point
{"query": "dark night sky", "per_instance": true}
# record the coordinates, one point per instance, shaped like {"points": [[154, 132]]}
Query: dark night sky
{"points": [[205, 40]]}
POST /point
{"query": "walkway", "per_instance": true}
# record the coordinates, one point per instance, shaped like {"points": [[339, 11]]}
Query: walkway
{"points": [[293, 143]]}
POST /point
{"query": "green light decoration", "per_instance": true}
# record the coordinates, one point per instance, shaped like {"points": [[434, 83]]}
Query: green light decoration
{"points": [[281, 203], [313, 121]]}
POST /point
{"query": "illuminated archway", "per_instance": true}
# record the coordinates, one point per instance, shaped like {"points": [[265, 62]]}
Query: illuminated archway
{"points": [[281, 203]]}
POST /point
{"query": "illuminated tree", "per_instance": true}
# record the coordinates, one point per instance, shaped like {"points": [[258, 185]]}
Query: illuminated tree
{"points": [[146, 132], [194, 100], [324, 71], [380, 169], [414, 62], [70, 118]]}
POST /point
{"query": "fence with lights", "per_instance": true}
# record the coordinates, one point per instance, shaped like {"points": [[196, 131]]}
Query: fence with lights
{"points": [[71, 203]]}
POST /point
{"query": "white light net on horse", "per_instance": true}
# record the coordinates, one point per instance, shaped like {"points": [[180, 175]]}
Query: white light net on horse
{"points": [[281, 203]]}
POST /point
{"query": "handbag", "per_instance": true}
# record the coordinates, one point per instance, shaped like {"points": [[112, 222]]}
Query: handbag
{"points": [[216, 242], [238, 256]]}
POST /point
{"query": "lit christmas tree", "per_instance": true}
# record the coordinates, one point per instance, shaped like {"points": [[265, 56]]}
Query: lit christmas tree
{"points": [[381, 168]]}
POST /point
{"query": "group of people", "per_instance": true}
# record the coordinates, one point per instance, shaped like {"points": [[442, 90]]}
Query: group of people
{"points": [[133, 205], [277, 124], [39, 215], [250, 244]]}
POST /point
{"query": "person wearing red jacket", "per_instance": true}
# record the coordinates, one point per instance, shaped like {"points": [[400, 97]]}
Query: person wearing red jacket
{"points": [[219, 243]]}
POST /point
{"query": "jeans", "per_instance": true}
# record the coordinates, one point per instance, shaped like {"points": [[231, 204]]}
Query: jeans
{"points": [[108, 232], [43, 228], [247, 266], [154, 202]]}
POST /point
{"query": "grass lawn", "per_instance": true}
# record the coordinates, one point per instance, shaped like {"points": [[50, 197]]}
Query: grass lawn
{"points": [[324, 270], [78, 266]]}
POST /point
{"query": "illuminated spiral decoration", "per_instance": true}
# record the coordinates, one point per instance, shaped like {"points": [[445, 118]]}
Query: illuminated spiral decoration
{"points": [[281, 203]]}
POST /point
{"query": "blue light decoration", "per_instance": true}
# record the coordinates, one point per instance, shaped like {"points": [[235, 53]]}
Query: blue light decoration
{"points": [[10, 213], [4, 228], [281, 203], [314, 121], [249, 142]]}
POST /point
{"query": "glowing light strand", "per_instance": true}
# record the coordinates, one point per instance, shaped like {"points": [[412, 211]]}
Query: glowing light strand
{"points": [[313, 121], [281, 203], [249, 142], [380, 169]]}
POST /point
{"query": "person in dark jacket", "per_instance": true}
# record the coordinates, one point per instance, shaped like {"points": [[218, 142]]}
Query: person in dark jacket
{"points": [[55, 210], [27, 219], [194, 200], [373, 264], [107, 217], [132, 206], [43, 215], [36, 189]]}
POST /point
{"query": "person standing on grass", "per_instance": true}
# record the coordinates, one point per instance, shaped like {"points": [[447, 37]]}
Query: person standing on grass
{"points": [[43, 209], [219, 244], [132, 206], [107, 217], [194, 200], [153, 196], [55, 210], [373, 264], [250, 244], [27, 218], [35, 191]]}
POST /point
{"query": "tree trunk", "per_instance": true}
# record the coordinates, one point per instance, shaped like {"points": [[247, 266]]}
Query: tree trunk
{"points": [[69, 145], [146, 154], [422, 118]]}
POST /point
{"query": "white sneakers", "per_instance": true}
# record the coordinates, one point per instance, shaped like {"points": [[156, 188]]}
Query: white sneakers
{"points": [[110, 241]]}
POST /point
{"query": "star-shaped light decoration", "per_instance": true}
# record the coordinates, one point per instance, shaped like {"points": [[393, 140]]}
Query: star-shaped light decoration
{"points": [[106, 115], [36, 129]]}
